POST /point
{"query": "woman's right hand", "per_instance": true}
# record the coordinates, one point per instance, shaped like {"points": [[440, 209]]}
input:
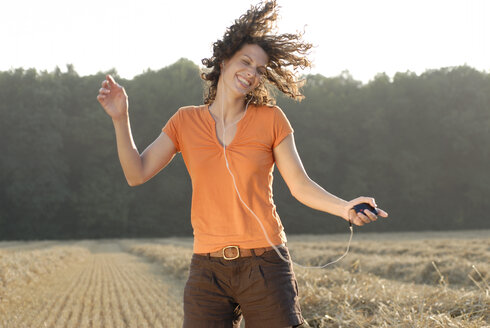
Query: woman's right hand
{"points": [[113, 98]]}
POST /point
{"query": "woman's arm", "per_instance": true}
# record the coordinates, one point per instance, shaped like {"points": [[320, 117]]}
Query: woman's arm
{"points": [[140, 168], [310, 193], [137, 168]]}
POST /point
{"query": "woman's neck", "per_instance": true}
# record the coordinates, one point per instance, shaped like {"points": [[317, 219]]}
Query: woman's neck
{"points": [[229, 109]]}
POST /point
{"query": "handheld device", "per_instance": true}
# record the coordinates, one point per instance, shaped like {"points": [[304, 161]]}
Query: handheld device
{"points": [[365, 206]]}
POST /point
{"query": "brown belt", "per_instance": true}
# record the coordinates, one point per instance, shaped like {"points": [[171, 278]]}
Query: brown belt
{"points": [[234, 252]]}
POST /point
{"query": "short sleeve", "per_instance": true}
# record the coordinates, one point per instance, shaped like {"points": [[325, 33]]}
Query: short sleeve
{"points": [[172, 129], [282, 127]]}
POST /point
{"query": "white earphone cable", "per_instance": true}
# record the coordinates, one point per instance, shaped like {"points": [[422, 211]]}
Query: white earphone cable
{"points": [[255, 216]]}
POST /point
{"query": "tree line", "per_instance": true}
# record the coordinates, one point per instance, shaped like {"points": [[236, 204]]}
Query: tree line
{"points": [[418, 143]]}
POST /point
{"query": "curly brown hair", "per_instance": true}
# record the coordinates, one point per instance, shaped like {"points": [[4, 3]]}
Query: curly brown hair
{"points": [[284, 51]]}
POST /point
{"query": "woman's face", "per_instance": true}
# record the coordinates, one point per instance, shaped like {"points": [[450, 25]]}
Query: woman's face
{"points": [[242, 72]]}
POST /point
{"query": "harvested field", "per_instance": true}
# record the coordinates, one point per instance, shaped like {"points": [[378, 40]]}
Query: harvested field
{"points": [[386, 280], [106, 287]]}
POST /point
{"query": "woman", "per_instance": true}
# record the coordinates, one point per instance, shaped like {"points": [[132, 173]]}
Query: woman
{"points": [[230, 145]]}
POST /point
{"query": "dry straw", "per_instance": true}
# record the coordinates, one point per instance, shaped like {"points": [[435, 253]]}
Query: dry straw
{"points": [[397, 282]]}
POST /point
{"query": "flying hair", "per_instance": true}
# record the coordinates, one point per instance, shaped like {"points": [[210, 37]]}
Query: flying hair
{"points": [[286, 52]]}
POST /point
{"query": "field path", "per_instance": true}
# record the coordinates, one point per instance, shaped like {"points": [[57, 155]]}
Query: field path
{"points": [[112, 288]]}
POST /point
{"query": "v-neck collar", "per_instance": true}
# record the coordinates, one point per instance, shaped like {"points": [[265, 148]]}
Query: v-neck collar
{"points": [[238, 125]]}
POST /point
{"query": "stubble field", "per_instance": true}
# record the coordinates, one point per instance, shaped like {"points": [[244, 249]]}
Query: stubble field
{"points": [[386, 280]]}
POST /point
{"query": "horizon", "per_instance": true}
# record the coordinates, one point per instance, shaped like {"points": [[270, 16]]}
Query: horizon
{"points": [[343, 73], [365, 39]]}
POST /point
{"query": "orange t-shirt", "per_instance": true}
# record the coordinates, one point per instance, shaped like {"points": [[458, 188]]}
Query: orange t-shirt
{"points": [[218, 216]]}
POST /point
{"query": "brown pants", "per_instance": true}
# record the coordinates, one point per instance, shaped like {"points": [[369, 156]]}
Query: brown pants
{"points": [[262, 289]]}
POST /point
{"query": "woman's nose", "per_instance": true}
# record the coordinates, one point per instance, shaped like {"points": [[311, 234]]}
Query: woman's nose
{"points": [[251, 73]]}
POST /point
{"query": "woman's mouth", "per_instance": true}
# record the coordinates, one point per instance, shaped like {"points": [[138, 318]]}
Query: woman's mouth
{"points": [[243, 82]]}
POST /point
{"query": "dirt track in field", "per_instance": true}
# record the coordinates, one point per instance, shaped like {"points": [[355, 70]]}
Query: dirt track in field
{"points": [[109, 288]]}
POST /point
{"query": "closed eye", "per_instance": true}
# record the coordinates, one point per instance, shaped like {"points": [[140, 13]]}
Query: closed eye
{"points": [[260, 70]]}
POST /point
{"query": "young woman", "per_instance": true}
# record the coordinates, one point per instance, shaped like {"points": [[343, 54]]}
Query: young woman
{"points": [[230, 145]]}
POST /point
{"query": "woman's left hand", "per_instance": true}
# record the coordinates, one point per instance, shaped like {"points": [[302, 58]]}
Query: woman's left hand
{"points": [[365, 216]]}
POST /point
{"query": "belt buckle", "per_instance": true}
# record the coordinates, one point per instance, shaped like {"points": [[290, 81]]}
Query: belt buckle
{"points": [[231, 247]]}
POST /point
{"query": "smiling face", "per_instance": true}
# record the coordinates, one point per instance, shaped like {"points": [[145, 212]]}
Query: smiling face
{"points": [[243, 71]]}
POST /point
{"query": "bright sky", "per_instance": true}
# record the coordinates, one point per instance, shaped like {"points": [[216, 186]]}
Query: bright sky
{"points": [[364, 37]]}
